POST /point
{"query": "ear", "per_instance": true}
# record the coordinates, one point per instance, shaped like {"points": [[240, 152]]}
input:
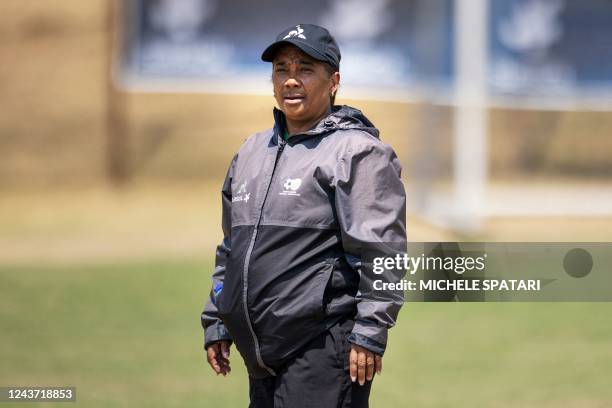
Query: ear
{"points": [[335, 82]]}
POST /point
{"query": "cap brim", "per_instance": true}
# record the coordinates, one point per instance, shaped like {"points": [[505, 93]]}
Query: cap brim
{"points": [[270, 52]]}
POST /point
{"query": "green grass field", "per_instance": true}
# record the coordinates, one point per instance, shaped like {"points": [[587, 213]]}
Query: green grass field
{"points": [[128, 335]]}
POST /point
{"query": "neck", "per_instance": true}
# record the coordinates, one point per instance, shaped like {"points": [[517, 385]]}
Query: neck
{"points": [[297, 126]]}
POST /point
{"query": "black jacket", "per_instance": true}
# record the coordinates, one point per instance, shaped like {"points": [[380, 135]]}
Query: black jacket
{"points": [[296, 217]]}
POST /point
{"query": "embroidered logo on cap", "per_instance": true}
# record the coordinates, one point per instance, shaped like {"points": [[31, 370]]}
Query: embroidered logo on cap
{"points": [[296, 33]]}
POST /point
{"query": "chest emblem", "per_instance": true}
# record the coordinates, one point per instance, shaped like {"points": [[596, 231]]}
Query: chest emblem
{"points": [[241, 194], [291, 187]]}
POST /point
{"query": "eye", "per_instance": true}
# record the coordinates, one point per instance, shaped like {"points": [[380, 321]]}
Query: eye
{"points": [[306, 69], [279, 69]]}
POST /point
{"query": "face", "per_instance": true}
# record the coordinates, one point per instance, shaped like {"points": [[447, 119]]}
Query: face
{"points": [[302, 85]]}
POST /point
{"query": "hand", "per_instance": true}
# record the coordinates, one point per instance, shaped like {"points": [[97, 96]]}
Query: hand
{"points": [[217, 355], [363, 363]]}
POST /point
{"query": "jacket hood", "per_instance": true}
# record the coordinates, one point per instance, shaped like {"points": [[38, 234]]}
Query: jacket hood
{"points": [[341, 117]]}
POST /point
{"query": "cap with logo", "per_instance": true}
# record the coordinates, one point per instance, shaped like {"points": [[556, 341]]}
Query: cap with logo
{"points": [[314, 40]]}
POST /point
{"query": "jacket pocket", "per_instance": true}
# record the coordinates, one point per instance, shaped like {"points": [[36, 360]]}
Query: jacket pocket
{"points": [[311, 301], [323, 287], [229, 298], [292, 317]]}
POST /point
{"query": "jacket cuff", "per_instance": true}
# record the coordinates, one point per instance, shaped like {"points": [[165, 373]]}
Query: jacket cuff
{"points": [[367, 343], [214, 333], [370, 336]]}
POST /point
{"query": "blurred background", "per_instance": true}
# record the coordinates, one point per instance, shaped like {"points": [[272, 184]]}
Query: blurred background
{"points": [[119, 119]]}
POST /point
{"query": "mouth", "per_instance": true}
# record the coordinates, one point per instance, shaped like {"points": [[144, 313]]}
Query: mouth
{"points": [[293, 99]]}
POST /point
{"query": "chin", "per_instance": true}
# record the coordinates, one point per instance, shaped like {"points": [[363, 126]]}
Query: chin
{"points": [[294, 113]]}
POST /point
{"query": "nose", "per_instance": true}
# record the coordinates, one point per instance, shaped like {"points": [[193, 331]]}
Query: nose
{"points": [[292, 82]]}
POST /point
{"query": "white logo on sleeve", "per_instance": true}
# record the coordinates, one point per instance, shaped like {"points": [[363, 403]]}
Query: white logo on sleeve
{"points": [[291, 186], [241, 194], [298, 32]]}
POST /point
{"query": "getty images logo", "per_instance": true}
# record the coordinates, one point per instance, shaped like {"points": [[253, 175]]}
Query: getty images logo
{"points": [[298, 32], [291, 186]]}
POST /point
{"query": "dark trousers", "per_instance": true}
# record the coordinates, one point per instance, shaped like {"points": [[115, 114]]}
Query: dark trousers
{"points": [[317, 377]]}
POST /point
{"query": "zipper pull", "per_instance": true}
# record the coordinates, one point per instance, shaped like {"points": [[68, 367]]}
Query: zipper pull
{"points": [[281, 146]]}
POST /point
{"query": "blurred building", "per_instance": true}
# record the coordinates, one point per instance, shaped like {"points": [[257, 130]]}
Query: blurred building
{"points": [[98, 91]]}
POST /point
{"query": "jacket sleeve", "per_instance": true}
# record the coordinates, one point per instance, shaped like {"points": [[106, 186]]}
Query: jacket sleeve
{"points": [[214, 330], [370, 204]]}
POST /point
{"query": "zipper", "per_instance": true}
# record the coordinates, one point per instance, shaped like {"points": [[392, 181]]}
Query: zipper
{"points": [[247, 258]]}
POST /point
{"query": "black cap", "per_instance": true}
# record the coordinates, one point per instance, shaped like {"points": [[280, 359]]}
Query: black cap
{"points": [[314, 40]]}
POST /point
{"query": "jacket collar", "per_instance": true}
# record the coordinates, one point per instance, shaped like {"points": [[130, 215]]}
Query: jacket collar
{"points": [[325, 125], [339, 117]]}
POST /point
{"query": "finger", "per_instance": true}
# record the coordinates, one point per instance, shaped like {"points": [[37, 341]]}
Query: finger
{"points": [[224, 367], [361, 367], [211, 352], [378, 364], [370, 365], [353, 365], [225, 349], [222, 362], [211, 355]]}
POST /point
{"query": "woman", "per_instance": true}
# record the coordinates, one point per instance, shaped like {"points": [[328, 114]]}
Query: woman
{"points": [[301, 203]]}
